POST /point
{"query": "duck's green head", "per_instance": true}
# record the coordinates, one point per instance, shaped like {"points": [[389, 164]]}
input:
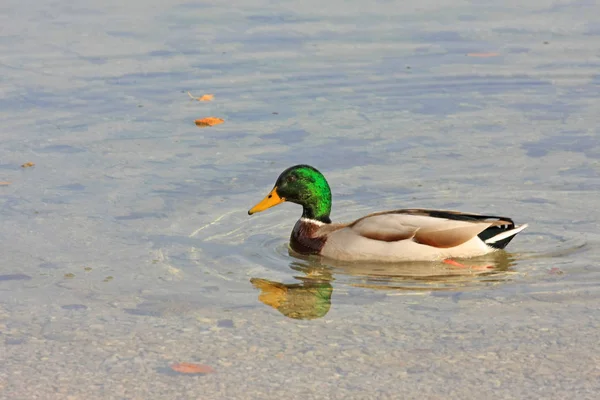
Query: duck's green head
{"points": [[304, 185]]}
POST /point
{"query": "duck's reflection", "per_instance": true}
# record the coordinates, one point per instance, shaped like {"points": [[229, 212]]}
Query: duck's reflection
{"points": [[306, 300], [311, 298]]}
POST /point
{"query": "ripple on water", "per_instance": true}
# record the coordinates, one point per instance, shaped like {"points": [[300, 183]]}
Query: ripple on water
{"points": [[237, 249], [541, 242]]}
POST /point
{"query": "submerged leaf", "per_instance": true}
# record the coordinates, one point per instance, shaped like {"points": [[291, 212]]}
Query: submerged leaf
{"points": [[27, 165], [555, 271], [191, 368]]}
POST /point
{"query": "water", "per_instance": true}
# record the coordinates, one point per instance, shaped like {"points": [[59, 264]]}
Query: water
{"points": [[127, 247]]}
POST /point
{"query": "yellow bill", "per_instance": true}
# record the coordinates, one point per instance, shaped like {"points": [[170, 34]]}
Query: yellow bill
{"points": [[271, 200]]}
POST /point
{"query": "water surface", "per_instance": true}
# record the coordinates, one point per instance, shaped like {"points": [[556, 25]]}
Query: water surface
{"points": [[127, 247]]}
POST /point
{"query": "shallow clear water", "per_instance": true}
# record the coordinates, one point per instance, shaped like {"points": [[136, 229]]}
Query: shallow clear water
{"points": [[127, 247]]}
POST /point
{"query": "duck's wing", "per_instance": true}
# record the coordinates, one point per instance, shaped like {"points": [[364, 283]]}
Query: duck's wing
{"points": [[435, 228]]}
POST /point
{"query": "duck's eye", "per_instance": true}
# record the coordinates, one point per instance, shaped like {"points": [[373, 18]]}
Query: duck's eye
{"points": [[292, 178]]}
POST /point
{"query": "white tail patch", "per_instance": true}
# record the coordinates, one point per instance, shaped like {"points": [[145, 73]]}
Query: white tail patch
{"points": [[506, 234]]}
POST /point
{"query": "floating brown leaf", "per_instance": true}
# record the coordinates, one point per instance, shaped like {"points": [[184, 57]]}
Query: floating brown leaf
{"points": [[190, 368], [208, 121], [204, 97], [4, 183], [27, 165], [483, 55]]}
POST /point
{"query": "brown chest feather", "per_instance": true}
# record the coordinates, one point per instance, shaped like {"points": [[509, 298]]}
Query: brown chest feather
{"points": [[304, 239]]}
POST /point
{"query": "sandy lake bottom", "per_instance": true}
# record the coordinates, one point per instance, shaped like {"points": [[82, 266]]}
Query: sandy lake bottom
{"points": [[127, 249]]}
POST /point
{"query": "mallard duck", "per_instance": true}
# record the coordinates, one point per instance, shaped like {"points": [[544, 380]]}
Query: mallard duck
{"points": [[388, 236]]}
